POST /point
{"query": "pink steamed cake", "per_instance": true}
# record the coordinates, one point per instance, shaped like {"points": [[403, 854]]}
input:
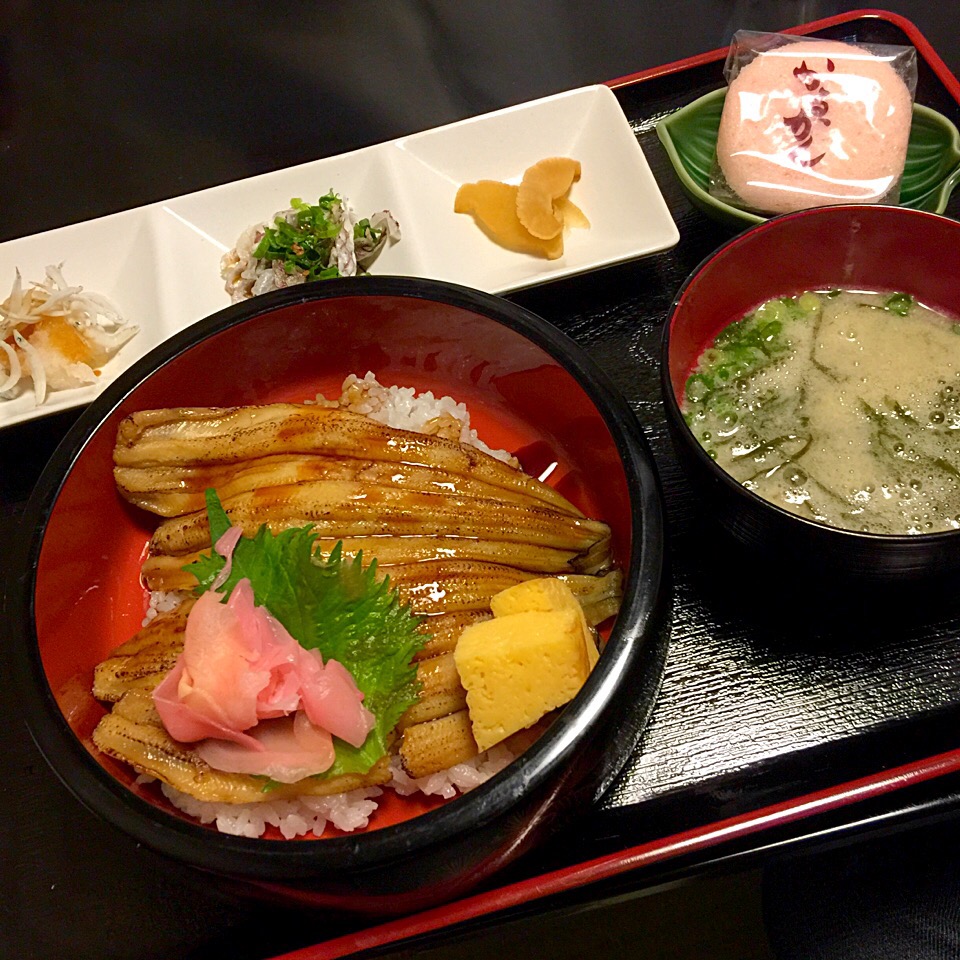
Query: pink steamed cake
{"points": [[783, 146]]}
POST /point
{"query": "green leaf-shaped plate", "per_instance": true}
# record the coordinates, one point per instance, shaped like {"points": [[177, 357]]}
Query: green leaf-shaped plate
{"points": [[690, 138]]}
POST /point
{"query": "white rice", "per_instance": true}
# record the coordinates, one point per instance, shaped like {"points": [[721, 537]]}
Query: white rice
{"points": [[345, 811], [404, 409], [293, 818], [463, 777], [162, 601]]}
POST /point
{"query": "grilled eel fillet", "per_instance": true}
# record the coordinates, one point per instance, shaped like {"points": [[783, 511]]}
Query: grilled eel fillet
{"points": [[344, 508], [482, 508], [209, 436], [449, 586], [166, 572], [171, 490], [132, 732], [463, 526], [435, 731], [397, 511]]}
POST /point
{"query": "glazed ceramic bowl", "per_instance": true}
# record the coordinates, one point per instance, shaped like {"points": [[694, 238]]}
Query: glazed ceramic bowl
{"points": [[857, 247], [689, 136], [529, 389]]}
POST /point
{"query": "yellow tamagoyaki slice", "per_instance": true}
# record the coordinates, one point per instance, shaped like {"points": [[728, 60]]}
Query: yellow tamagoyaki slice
{"points": [[516, 669], [494, 206], [545, 594], [542, 184]]}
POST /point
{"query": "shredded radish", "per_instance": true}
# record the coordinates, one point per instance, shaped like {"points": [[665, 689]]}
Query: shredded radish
{"points": [[37, 373], [64, 333], [14, 376]]}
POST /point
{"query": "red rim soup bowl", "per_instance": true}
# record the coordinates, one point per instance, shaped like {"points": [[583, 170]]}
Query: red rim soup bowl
{"points": [[857, 247]]}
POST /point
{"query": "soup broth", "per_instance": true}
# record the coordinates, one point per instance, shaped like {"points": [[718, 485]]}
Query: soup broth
{"points": [[842, 407]]}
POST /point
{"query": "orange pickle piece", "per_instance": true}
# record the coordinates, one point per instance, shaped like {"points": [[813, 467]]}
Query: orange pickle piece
{"points": [[494, 207], [542, 184]]}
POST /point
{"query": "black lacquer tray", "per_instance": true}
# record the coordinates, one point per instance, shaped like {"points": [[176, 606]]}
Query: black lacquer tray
{"points": [[782, 699], [774, 687], [786, 709]]}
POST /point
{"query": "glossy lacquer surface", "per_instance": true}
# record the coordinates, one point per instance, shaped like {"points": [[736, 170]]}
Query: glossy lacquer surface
{"points": [[771, 686], [86, 545]]}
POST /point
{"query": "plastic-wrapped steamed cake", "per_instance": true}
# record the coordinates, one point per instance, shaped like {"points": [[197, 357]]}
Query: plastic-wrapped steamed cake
{"points": [[813, 122]]}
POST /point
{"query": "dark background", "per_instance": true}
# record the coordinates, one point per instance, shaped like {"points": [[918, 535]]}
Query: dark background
{"points": [[107, 105]]}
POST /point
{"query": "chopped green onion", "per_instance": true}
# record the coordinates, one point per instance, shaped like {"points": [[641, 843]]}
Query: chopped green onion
{"points": [[899, 303]]}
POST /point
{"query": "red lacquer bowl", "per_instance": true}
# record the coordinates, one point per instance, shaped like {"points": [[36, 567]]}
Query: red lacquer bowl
{"points": [[529, 389], [854, 247]]}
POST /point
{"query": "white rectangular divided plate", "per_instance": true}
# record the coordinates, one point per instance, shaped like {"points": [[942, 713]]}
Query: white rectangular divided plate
{"points": [[160, 263]]}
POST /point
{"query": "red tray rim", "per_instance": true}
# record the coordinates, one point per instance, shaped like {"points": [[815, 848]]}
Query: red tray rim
{"points": [[633, 858], [917, 39], [706, 836]]}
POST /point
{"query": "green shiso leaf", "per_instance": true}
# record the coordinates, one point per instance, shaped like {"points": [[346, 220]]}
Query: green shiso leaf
{"points": [[334, 605]]}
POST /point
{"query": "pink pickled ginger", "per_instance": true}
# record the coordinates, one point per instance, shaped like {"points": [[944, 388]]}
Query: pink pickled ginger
{"points": [[291, 748], [239, 666]]}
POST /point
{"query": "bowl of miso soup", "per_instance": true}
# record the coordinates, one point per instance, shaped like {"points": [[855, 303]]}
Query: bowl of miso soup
{"points": [[811, 374]]}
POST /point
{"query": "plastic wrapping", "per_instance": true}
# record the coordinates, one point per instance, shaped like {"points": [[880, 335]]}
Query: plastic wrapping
{"points": [[808, 123]]}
